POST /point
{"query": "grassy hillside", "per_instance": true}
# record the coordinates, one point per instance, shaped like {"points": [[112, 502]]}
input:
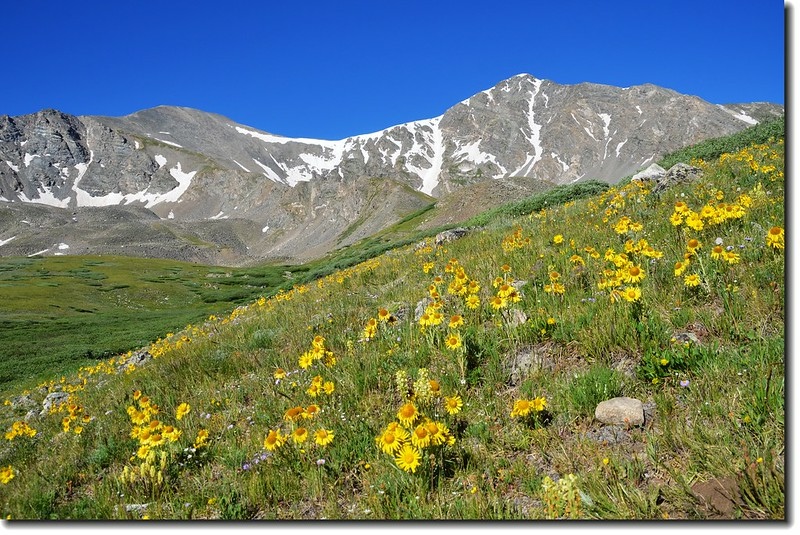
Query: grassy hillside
{"points": [[457, 380], [58, 313]]}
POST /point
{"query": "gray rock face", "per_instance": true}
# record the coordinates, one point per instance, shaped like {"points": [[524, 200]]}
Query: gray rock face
{"points": [[653, 173], [450, 235], [678, 174], [53, 399], [620, 411], [294, 197]]}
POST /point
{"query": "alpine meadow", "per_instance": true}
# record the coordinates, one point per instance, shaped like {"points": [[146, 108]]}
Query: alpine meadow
{"points": [[592, 351]]}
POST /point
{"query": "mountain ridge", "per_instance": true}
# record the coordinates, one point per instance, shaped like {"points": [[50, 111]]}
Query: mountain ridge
{"points": [[188, 165]]}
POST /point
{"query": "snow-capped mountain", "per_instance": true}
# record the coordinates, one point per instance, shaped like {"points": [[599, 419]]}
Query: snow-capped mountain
{"points": [[185, 165]]}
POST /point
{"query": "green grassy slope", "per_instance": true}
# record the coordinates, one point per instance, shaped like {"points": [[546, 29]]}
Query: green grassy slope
{"points": [[335, 399], [62, 312]]}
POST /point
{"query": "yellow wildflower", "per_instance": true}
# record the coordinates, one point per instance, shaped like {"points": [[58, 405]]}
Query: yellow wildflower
{"points": [[632, 294], [775, 238], [453, 404], [693, 245], [456, 321], [691, 280], [453, 341], [408, 458], [183, 410], [420, 437], [522, 407], [274, 440], [300, 435], [407, 414], [539, 403], [323, 437], [6, 474]]}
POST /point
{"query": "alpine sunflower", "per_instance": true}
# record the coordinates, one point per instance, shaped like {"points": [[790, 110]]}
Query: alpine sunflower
{"points": [[6, 474], [453, 341], [691, 280], [776, 237], [300, 435], [323, 437], [274, 440], [522, 407], [420, 437], [407, 414], [408, 458], [453, 404]]}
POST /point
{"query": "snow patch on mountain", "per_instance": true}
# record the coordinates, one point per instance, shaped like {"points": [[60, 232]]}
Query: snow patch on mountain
{"points": [[169, 142], [564, 165], [47, 197], [533, 135], [12, 166], [246, 170], [270, 138], [3, 242], [268, 172], [739, 115], [431, 135], [471, 152], [606, 122], [320, 163]]}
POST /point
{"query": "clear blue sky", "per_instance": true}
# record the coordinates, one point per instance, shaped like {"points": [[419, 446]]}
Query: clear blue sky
{"points": [[332, 69]]}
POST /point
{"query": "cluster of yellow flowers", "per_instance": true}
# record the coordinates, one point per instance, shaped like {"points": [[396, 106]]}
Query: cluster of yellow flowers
{"points": [[153, 436], [340, 277], [75, 413], [554, 286], [108, 367], [417, 429], [297, 415], [63, 385], [614, 199], [515, 240], [626, 225], [432, 315], [317, 353], [172, 342], [506, 292], [371, 327], [710, 214], [526, 407], [624, 272], [299, 433], [720, 253], [19, 429], [147, 430], [760, 158], [460, 285]]}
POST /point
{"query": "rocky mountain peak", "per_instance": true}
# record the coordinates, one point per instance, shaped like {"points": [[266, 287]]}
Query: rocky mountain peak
{"points": [[186, 165]]}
